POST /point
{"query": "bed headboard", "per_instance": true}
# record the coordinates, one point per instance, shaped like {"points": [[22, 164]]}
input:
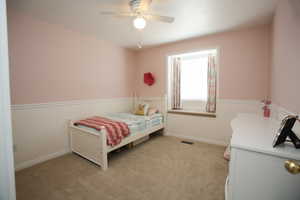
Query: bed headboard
{"points": [[158, 102]]}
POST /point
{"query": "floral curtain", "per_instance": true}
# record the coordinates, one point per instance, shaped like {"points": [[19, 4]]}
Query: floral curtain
{"points": [[211, 84], [175, 83]]}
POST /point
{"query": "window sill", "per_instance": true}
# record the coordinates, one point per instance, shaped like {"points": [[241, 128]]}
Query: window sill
{"points": [[195, 113]]}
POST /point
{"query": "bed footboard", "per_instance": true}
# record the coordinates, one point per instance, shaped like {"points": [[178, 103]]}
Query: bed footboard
{"points": [[93, 146], [89, 145]]}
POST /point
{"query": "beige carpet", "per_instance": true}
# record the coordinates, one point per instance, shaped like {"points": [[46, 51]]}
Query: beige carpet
{"points": [[160, 169]]}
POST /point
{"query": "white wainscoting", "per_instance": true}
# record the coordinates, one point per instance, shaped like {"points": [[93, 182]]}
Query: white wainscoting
{"points": [[40, 130], [211, 130]]}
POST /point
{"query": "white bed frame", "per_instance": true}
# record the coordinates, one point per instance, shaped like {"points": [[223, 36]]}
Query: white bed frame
{"points": [[93, 146]]}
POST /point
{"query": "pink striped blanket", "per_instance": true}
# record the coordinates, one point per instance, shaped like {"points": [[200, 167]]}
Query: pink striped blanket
{"points": [[116, 130]]}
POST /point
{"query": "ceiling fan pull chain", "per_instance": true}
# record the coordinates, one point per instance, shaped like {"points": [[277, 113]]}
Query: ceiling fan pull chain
{"points": [[140, 43]]}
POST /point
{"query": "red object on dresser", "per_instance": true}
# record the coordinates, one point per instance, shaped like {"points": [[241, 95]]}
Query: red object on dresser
{"points": [[266, 109], [149, 78], [267, 112]]}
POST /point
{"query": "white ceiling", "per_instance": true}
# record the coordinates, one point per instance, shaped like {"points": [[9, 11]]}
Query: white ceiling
{"points": [[192, 17]]}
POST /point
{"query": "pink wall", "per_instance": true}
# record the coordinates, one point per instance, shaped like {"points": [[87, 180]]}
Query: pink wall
{"points": [[50, 63], [286, 56], [244, 62]]}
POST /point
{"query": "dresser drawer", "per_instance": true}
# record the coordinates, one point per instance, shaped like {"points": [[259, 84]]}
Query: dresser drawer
{"points": [[261, 176]]}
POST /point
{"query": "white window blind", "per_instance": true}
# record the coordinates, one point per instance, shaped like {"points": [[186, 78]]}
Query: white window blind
{"points": [[194, 78]]}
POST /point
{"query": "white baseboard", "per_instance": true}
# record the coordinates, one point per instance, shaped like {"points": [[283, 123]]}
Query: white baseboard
{"points": [[209, 141], [30, 163]]}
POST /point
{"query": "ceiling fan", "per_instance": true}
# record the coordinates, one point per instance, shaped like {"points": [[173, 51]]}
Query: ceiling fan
{"points": [[139, 11]]}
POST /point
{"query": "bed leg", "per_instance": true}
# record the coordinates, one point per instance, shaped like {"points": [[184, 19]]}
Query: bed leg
{"points": [[104, 165], [104, 161]]}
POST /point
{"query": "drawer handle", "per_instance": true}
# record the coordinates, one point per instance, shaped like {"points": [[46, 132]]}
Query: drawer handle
{"points": [[292, 166]]}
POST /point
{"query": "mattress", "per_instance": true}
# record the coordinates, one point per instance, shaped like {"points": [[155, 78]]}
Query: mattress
{"points": [[136, 123]]}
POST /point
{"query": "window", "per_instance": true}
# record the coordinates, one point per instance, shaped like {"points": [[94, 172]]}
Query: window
{"points": [[194, 78], [192, 81]]}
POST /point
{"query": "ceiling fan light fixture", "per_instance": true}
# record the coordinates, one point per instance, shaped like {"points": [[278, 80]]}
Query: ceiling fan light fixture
{"points": [[139, 23]]}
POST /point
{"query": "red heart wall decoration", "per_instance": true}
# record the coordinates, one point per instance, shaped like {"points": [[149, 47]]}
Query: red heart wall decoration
{"points": [[149, 78]]}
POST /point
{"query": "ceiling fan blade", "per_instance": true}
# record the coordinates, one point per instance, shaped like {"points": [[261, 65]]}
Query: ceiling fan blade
{"points": [[159, 18], [118, 14]]}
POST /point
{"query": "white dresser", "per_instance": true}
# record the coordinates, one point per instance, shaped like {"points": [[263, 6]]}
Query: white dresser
{"points": [[257, 169]]}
